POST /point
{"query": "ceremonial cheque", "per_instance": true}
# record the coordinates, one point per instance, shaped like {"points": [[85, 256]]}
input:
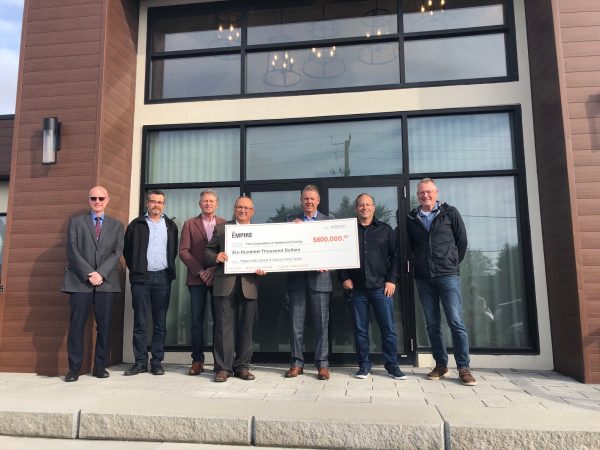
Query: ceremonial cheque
{"points": [[288, 247]]}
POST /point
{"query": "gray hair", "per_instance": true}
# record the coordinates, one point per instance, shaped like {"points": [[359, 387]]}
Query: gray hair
{"points": [[209, 192], [310, 187], [362, 195]]}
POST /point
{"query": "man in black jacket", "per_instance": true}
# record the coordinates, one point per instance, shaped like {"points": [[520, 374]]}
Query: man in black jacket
{"points": [[373, 286], [150, 251], [438, 241]]}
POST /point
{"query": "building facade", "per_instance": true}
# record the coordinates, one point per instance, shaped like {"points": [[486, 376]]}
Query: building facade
{"points": [[497, 100]]}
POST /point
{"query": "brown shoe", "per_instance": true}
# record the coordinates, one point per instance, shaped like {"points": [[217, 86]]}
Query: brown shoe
{"points": [[221, 376], [294, 372], [438, 372], [244, 373], [323, 374], [466, 378], [196, 369]]}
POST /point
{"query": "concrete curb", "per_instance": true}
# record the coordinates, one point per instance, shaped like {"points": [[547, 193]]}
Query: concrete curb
{"points": [[39, 424]]}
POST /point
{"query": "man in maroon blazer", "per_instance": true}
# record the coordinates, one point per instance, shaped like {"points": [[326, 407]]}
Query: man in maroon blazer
{"points": [[196, 233]]}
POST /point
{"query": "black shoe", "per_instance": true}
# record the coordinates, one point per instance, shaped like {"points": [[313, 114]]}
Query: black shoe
{"points": [[136, 368], [71, 376], [157, 369], [100, 372]]}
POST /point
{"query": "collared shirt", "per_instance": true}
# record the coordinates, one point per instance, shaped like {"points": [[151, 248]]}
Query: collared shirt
{"points": [[156, 254], [427, 219], [209, 225], [311, 218], [94, 215]]}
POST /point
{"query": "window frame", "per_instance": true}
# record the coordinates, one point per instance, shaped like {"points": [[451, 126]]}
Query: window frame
{"points": [[507, 29]]}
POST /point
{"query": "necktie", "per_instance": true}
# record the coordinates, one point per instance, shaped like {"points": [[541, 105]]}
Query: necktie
{"points": [[98, 227]]}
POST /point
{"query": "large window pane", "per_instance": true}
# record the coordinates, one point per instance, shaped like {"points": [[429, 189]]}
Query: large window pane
{"points": [[187, 28], [338, 149], [196, 77], [460, 143], [492, 283], [455, 58], [182, 204], [268, 24], [456, 14], [323, 68], [182, 156]]}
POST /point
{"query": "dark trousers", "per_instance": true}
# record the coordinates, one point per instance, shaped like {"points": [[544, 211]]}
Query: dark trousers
{"points": [[318, 302], [198, 296], [155, 293], [234, 318], [80, 306]]}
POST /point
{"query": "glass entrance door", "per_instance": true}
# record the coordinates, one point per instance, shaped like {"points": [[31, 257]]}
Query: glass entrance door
{"points": [[271, 333]]}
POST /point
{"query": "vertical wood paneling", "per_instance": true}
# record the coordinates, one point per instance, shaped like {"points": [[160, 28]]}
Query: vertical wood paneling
{"points": [[67, 70]]}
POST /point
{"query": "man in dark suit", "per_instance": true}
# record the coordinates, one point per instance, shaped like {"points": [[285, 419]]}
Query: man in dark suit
{"points": [[195, 234], [94, 247], [235, 304], [313, 288]]}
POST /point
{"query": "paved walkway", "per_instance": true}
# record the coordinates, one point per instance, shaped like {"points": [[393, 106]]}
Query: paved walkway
{"points": [[507, 409]]}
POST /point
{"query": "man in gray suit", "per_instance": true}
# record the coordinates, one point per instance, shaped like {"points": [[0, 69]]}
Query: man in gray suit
{"points": [[94, 248], [313, 288], [235, 303]]}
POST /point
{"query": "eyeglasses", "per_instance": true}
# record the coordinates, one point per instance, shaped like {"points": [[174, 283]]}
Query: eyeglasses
{"points": [[243, 208], [99, 199], [156, 202]]}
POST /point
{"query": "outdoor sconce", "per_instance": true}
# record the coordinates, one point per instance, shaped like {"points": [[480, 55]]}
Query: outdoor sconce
{"points": [[50, 140]]}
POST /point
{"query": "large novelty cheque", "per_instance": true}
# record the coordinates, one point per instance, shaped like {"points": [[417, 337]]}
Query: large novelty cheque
{"points": [[289, 247]]}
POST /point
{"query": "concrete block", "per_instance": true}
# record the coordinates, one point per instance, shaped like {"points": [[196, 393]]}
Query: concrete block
{"points": [[513, 428], [377, 426], [208, 421], [39, 423]]}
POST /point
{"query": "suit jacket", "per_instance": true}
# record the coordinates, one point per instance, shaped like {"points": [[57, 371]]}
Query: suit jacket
{"points": [[191, 248], [223, 284], [317, 281], [85, 254]]}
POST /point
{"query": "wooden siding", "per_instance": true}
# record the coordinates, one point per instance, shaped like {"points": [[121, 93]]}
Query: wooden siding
{"points": [[6, 137], [564, 44], [77, 62]]}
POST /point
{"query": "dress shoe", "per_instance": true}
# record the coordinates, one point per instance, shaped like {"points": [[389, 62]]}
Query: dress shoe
{"points": [[294, 372], [157, 369], [244, 373], [196, 369], [137, 368], [100, 372], [221, 376], [71, 376], [323, 373]]}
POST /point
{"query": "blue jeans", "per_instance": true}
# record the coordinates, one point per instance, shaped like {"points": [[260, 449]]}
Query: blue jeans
{"points": [[444, 289], [155, 292], [383, 308], [198, 296]]}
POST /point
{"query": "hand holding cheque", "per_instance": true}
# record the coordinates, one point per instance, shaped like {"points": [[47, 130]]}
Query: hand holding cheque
{"points": [[289, 247]]}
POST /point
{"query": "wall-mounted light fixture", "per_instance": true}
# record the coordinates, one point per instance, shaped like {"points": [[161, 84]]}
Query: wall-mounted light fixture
{"points": [[50, 140]]}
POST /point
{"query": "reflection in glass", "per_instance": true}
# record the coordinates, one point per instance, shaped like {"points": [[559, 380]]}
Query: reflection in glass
{"points": [[492, 279], [456, 14], [196, 77], [272, 328], [460, 143], [341, 205], [338, 149], [328, 67], [320, 20], [455, 58], [175, 29], [182, 156], [182, 204]]}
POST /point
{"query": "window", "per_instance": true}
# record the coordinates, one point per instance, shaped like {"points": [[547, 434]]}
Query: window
{"points": [[216, 50]]}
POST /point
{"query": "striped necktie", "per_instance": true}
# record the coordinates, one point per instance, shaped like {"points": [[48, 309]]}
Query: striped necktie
{"points": [[98, 227]]}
